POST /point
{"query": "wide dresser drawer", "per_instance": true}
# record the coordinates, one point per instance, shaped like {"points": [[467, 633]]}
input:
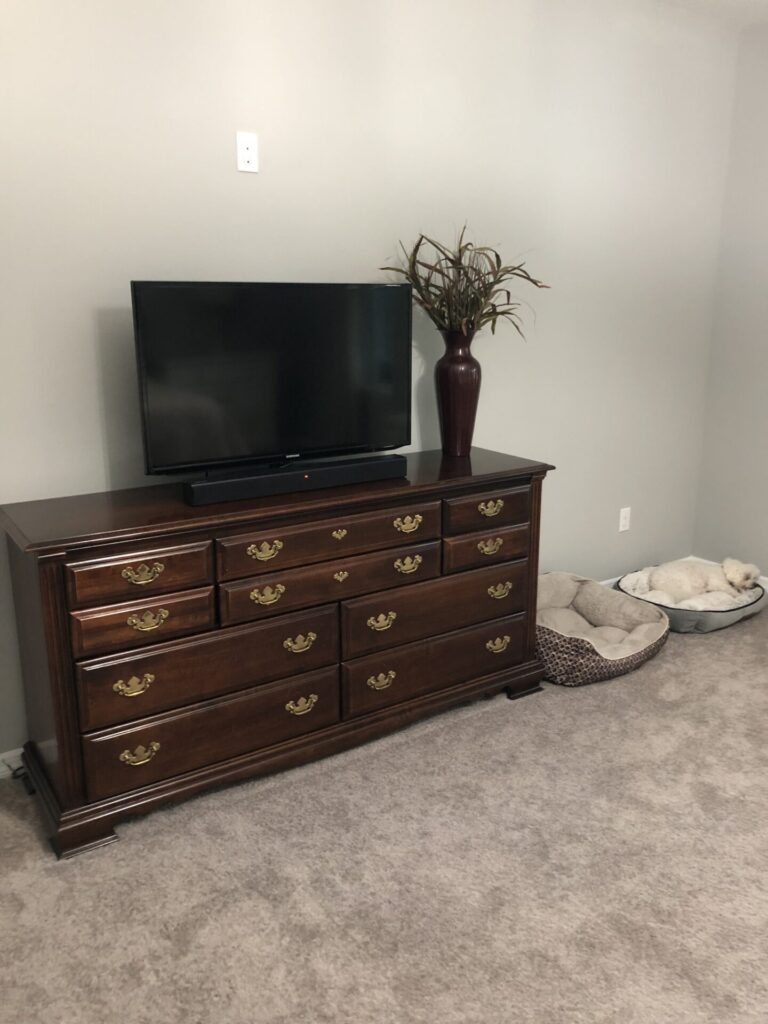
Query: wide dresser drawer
{"points": [[139, 623], [412, 670], [129, 686], [135, 575], [476, 549], [487, 511], [166, 745], [428, 609], [277, 592], [280, 548]]}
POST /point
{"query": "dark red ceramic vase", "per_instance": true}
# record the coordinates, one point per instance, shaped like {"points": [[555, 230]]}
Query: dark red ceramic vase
{"points": [[457, 378]]}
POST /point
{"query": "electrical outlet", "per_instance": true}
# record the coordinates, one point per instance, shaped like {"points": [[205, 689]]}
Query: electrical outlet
{"points": [[247, 152], [625, 515]]}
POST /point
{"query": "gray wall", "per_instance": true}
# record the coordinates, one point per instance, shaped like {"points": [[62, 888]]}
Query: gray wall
{"points": [[589, 138], [734, 479]]}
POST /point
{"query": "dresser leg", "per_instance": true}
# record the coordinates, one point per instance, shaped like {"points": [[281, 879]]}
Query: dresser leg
{"points": [[70, 841], [514, 694]]}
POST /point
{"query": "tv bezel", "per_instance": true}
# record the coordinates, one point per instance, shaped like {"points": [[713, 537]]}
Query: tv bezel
{"points": [[273, 458]]}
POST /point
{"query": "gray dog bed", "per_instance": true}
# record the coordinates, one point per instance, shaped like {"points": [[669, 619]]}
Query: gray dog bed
{"points": [[586, 632], [696, 620]]}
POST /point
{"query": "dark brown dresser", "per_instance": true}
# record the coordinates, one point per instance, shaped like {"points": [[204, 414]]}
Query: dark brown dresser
{"points": [[167, 649]]}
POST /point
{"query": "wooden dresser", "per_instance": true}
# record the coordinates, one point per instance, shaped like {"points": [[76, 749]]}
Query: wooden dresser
{"points": [[167, 649]]}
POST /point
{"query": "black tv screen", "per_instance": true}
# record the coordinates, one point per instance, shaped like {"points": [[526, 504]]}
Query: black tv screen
{"points": [[243, 373]]}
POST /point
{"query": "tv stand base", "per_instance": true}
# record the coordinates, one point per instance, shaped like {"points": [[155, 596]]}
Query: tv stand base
{"points": [[295, 476]]}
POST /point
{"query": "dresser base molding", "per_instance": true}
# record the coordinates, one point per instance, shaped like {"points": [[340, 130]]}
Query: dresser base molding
{"points": [[91, 826]]}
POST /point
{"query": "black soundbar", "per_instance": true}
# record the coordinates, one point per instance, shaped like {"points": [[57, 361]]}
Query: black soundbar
{"points": [[295, 476]]}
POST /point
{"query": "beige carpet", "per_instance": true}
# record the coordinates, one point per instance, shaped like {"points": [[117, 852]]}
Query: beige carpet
{"points": [[594, 855]]}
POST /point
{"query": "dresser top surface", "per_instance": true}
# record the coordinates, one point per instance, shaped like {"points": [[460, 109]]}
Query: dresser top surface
{"points": [[150, 512]]}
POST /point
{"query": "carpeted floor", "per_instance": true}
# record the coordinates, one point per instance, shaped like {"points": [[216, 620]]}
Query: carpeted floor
{"points": [[594, 855]]}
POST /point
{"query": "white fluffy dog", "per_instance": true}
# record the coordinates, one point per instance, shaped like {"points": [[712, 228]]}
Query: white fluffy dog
{"points": [[685, 579]]}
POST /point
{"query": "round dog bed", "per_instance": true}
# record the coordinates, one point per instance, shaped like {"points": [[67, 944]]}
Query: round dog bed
{"points": [[722, 610], [586, 632]]}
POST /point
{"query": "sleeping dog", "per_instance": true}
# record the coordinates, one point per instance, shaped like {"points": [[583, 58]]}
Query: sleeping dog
{"points": [[685, 579]]}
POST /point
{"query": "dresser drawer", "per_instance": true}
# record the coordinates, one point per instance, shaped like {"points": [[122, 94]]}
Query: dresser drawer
{"points": [[412, 670], [125, 687], [135, 575], [277, 592], [168, 745], [487, 511], [428, 609], [478, 549], [277, 549], [121, 626]]}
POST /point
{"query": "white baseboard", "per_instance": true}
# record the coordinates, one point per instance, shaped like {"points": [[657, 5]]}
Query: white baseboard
{"points": [[9, 762]]}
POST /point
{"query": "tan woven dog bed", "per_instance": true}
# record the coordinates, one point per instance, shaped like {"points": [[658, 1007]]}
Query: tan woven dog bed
{"points": [[586, 632]]}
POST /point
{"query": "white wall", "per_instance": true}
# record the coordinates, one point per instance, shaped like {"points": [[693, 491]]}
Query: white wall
{"points": [[588, 137], [734, 480]]}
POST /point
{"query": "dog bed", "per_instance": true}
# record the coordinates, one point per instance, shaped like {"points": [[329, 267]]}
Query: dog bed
{"points": [[586, 632], [714, 611]]}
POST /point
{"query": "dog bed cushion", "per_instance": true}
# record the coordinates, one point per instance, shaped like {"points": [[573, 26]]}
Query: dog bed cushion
{"points": [[586, 632], [701, 614]]}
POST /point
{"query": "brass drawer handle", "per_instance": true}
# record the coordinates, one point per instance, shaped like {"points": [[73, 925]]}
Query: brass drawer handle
{"points": [[490, 508], [500, 590], [264, 551], [409, 524], [303, 705], [143, 574], [339, 534], [267, 595], [300, 644], [491, 546], [382, 621], [147, 620], [408, 565], [501, 643], [341, 575], [382, 681], [135, 686], [141, 755]]}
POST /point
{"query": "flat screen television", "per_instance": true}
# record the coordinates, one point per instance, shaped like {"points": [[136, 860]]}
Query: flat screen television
{"points": [[240, 374]]}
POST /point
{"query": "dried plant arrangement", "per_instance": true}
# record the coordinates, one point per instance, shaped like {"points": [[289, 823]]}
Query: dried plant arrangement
{"points": [[465, 288]]}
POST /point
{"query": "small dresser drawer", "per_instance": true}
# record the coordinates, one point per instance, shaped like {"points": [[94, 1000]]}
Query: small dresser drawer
{"points": [[429, 609], [125, 687], [277, 549], [487, 511], [476, 549], [120, 626], [413, 670], [278, 592], [166, 745], [133, 576]]}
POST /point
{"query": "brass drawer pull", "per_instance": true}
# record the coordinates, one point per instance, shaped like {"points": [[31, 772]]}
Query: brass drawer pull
{"points": [[144, 573], [341, 575], [382, 681], [492, 546], [501, 643], [264, 551], [267, 595], [147, 620], [300, 644], [303, 705], [382, 621], [409, 524], [339, 534], [141, 755], [490, 508], [500, 590], [135, 686], [408, 565]]}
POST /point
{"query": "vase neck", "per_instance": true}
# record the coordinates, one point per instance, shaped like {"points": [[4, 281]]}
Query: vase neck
{"points": [[456, 342]]}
